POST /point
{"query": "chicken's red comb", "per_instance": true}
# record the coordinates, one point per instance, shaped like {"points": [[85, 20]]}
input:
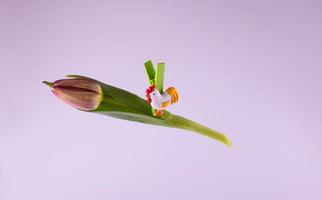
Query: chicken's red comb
{"points": [[150, 89]]}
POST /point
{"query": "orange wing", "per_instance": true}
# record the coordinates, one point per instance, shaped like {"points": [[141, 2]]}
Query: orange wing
{"points": [[165, 104], [174, 94]]}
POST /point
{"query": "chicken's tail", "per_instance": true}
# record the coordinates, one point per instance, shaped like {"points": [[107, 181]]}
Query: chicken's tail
{"points": [[173, 94]]}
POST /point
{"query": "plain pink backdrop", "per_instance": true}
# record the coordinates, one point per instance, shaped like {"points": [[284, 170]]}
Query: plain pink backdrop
{"points": [[250, 69]]}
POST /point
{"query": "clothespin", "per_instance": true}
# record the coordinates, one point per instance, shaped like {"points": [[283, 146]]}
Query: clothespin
{"points": [[155, 77]]}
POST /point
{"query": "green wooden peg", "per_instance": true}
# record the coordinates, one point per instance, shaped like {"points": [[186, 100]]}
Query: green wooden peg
{"points": [[159, 77], [150, 71]]}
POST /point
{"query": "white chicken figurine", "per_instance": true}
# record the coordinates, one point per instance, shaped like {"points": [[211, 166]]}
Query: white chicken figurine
{"points": [[161, 101]]}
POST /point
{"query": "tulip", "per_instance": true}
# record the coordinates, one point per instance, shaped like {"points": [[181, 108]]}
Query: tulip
{"points": [[91, 95], [84, 94]]}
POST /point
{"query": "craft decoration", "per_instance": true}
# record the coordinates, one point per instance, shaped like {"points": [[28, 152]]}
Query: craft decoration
{"points": [[90, 95], [158, 99]]}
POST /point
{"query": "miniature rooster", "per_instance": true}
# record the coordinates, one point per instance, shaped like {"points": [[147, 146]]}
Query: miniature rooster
{"points": [[161, 101]]}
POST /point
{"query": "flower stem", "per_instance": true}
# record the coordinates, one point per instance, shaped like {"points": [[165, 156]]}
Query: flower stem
{"points": [[119, 103]]}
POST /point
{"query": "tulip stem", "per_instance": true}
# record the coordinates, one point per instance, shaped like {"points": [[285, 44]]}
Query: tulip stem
{"points": [[118, 103]]}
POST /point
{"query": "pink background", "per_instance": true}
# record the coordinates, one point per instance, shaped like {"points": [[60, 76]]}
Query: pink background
{"points": [[251, 69]]}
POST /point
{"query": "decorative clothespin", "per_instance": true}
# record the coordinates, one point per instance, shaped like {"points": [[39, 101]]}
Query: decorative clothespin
{"points": [[158, 99]]}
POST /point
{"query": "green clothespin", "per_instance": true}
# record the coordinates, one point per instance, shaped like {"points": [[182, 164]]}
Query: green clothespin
{"points": [[159, 77], [155, 76], [150, 72]]}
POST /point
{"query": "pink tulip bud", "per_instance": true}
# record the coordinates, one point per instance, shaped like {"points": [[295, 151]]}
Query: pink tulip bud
{"points": [[81, 93]]}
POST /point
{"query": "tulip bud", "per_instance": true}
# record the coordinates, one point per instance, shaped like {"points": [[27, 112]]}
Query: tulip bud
{"points": [[81, 93]]}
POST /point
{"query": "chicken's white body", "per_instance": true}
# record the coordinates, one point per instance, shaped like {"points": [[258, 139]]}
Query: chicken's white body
{"points": [[160, 101]]}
